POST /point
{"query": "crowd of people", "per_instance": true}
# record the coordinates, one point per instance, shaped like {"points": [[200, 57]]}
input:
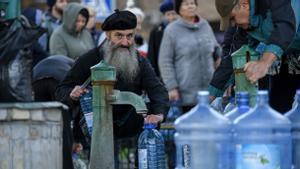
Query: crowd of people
{"points": [[181, 57]]}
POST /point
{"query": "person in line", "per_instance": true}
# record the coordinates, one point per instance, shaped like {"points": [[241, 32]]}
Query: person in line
{"points": [[91, 25], [134, 74], [34, 17], [71, 38], [51, 19], [46, 75], [140, 42], [186, 57], [273, 26], [156, 34]]}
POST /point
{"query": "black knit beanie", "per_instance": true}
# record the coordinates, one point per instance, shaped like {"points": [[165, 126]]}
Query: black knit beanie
{"points": [[177, 4]]}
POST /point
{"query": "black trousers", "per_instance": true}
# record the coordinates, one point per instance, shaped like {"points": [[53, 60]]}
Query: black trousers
{"points": [[283, 89]]}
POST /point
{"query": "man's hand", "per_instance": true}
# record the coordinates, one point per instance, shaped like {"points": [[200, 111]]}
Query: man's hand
{"points": [[174, 95], [154, 118], [258, 69], [211, 98], [77, 92]]}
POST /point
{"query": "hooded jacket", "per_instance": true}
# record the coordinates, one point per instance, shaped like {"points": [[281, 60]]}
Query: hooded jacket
{"points": [[65, 40]]}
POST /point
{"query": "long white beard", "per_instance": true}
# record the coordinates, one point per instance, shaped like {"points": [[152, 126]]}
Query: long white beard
{"points": [[123, 59]]}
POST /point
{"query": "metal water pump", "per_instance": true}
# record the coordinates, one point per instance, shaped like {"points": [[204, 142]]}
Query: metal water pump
{"points": [[102, 148], [239, 59]]}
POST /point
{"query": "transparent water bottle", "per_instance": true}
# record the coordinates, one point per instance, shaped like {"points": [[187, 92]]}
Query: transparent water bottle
{"points": [[203, 135], [262, 138], [294, 116], [151, 149], [242, 99], [230, 106]]}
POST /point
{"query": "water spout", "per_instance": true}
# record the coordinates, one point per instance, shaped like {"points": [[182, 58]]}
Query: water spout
{"points": [[128, 98]]}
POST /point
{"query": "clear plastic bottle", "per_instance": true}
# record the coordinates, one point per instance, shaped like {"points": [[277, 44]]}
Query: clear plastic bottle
{"points": [[151, 149], [230, 106], [203, 135], [217, 104], [262, 138], [242, 99], [294, 116]]}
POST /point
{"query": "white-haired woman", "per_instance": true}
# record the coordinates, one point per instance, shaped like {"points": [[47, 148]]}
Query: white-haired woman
{"points": [[186, 57]]}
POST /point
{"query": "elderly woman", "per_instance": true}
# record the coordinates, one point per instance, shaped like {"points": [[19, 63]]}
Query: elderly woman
{"points": [[71, 38], [187, 54]]}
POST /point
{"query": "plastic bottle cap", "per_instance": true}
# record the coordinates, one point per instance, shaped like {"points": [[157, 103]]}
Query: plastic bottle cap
{"points": [[203, 93], [149, 126], [262, 92]]}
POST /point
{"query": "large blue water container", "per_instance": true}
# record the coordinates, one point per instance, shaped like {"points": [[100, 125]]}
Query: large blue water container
{"points": [[242, 99], [151, 149], [262, 138], [203, 135], [294, 116]]}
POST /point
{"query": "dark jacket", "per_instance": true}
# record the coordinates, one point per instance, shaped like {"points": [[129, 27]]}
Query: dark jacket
{"points": [[146, 80], [154, 44]]}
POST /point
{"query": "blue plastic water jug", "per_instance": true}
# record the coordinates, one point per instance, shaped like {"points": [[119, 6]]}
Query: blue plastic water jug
{"points": [[204, 134], [86, 106], [151, 149], [174, 112], [167, 128], [242, 99], [262, 138], [294, 116]]}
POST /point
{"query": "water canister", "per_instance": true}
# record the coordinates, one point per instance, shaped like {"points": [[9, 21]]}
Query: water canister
{"points": [[294, 116], [87, 109], [239, 58], [262, 138], [167, 128], [175, 111], [151, 148], [242, 99], [203, 135]]}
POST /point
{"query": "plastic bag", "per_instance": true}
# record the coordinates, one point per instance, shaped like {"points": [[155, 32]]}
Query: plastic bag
{"points": [[16, 36]]}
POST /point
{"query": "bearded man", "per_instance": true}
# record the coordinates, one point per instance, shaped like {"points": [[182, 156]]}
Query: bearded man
{"points": [[134, 74]]}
